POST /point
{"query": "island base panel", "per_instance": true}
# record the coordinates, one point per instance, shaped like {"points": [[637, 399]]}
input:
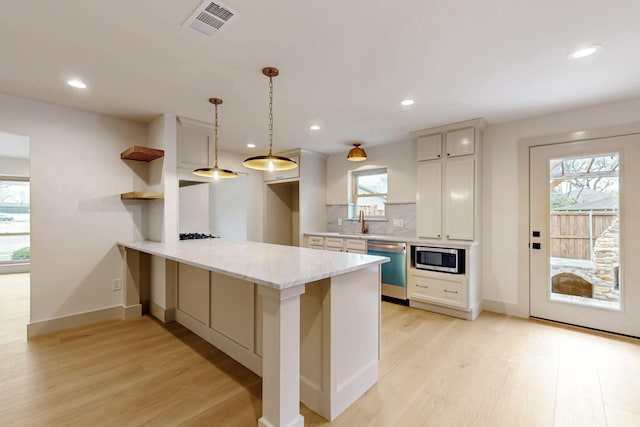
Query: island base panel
{"points": [[340, 324]]}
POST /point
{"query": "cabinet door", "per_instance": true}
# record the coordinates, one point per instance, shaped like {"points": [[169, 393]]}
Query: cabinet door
{"points": [[355, 246], [288, 174], [459, 199], [430, 147], [194, 147], [334, 244], [316, 242], [460, 142], [429, 200]]}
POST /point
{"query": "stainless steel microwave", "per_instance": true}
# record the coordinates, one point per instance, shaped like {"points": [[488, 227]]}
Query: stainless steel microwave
{"points": [[447, 260]]}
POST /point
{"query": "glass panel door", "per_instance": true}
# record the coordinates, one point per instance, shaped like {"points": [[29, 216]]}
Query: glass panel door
{"points": [[583, 245]]}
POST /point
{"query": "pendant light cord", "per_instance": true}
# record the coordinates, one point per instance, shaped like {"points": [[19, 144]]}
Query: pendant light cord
{"points": [[270, 114], [216, 137]]}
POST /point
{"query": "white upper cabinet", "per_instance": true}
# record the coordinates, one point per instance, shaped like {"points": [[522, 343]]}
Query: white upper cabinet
{"points": [[447, 181], [195, 144], [459, 199], [429, 200], [460, 142], [430, 147]]}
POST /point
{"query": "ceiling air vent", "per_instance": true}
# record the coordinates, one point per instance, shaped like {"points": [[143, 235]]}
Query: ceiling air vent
{"points": [[208, 18]]}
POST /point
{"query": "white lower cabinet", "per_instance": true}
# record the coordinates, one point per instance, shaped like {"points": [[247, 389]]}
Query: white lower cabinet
{"points": [[337, 244], [334, 244], [315, 242], [455, 295], [356, 246], [439, 288]]}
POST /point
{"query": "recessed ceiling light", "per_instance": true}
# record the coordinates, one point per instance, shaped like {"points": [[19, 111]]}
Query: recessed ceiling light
{"points": [[584, 51], [251, 145], [77, 83], [314, 127], [407, 102]]}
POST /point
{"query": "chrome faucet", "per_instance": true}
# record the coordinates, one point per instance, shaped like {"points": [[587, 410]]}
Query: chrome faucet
{"points": [[364, 229]]}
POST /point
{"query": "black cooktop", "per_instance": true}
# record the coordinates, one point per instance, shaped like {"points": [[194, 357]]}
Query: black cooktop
{"points": [[194, 236]]}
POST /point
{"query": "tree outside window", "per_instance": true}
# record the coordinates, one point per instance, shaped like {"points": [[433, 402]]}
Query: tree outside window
{"points": [[14, 220], [368, 193]]}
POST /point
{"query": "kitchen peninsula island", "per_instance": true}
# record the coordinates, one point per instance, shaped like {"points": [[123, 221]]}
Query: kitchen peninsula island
{"points": [[307, 321]]}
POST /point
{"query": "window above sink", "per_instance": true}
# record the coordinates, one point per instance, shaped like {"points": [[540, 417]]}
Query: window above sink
{"points": [[368, 193]]}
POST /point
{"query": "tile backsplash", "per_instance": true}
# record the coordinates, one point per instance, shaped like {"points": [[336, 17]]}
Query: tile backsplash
{"points": [[404, 212]]}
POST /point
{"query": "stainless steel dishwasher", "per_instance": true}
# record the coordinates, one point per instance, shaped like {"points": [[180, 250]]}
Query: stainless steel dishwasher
{"points": [[394, 273]]}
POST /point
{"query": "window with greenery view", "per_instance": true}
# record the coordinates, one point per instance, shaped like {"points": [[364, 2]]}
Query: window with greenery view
{"points": [[368, 193], [14, 220], [585, 183]]}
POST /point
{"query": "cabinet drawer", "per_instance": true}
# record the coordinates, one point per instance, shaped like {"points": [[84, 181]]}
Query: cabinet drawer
{"points": [[333, 243], [315, 241], [355, 245], [439, 291]]}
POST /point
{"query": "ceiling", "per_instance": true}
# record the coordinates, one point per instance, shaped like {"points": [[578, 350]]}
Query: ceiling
{"points": [[344, 65]]}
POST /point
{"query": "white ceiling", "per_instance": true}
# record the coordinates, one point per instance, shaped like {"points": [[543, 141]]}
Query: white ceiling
{"points": [[344, 65]]}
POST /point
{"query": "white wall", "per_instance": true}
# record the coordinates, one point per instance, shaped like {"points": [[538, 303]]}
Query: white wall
{"points": [[505, 195], [194, 209], [76, 212], [228, 213], [400, 160], [161, 216]]}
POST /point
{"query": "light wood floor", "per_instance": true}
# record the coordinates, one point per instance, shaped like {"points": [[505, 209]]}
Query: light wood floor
{"points": [[435, 371]]}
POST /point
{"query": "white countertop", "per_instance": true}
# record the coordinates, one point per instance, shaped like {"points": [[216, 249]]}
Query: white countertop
{"points": [[393, 238], [270, 265]]}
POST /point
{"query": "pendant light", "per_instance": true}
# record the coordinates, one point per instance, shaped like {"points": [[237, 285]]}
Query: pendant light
{"points": [[357, 154], [215, 172], [270, 162]]}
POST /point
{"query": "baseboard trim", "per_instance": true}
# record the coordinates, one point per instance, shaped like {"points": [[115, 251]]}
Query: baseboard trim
{"points": [[505, 308], [165, 315], [43, 327], [448, 311]]}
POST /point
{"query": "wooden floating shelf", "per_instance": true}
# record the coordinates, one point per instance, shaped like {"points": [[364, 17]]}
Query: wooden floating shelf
{"points": [[141, 195], [142, 154]]}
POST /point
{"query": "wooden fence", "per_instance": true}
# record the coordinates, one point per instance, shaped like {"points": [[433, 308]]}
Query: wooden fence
{"points": [[571, 235]]}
